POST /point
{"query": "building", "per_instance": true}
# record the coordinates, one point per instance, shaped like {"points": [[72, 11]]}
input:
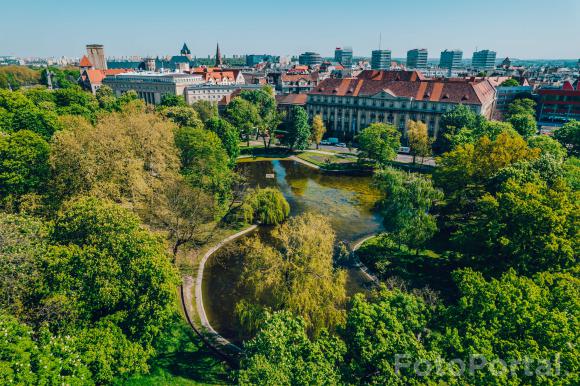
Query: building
{"points": [[253, 60], [559, 105], [483, 60], [286, 102], [185, 51], [296, 83], [381, 59], [417, 59], [216, 75], [96, 55], [215, 93], [152, 86], [349, 105], [506, 95], [451, 59], [310, 59], [343, 56], [91, 79]]}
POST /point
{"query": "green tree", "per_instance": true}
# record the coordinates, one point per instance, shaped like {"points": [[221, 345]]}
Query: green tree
{"points": [[450, 124], [297, 132], [282, 354], [17, 112], [318, 130], [206, 110], [228, 134], [107, 99], [182, 116], [569, 136], [511, 82], [547, 145], [265, 205], [524, 106], [171, 100], [379, 143], [524, 124], [23, 164], [419, 141], [296, 274], [244, 116], [14, 77]]}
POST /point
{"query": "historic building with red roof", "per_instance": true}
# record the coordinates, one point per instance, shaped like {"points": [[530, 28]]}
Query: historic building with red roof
{"points": [[348, 105]]}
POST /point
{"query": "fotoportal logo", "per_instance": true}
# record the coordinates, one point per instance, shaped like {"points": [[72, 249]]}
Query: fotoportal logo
{"points": [[527, 366]]}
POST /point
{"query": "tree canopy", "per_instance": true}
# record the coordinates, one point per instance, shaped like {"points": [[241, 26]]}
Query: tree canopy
{"points": [[379, 143]]}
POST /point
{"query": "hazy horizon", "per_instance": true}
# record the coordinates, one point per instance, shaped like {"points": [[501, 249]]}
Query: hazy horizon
{"points": [[532, 30]]}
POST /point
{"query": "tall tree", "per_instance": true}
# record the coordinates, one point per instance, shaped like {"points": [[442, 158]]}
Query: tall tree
{"points": [[569, 136], [205, 110], [450, 124], [379, 143], [524, 124], [244, 116], [318, 130], [229, 136], [419, 141], [297, 132]]}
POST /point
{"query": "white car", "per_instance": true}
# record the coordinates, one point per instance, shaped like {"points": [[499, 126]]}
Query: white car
{"points": [[341, 144]]}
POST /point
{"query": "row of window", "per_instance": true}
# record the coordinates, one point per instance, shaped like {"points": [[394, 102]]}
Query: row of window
{"points": [[390, 104]]}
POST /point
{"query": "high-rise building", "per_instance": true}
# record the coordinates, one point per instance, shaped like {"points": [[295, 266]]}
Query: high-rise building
{"points": [[343, 56], [310, 59], [417, 58], [381, 59], [96, 54], [451, 59], [483, 60]]}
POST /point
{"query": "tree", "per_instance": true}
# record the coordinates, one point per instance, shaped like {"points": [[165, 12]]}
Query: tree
{"points": [[407, 201], [524, 124], [419, 141], [14, 77], [171, 100], [282, 354], [229, 136], [297, 132], [265, 103], [182, 116], [511, 82], [450, 124], [266, 206], [206, 110], [23, 164], [547, 145], [569, 136], [204, 161], [379, 143], [295, 274], [107, 99], [17, 112], [524, 106], [318, 130], [243, 115]]}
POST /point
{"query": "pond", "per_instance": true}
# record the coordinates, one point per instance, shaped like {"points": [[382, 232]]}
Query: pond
{"points": [[346, 200]]}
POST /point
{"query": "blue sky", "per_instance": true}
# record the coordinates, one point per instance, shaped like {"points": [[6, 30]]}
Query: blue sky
{"points": [[515, 28]]}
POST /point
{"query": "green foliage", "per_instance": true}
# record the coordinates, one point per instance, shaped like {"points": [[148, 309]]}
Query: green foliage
{"points": [[15, 77], [450, 124], [297, 135], [170, 100], [547, 146], [106, 98], [511, 82], [23, 164], [61, 77], [572, 172], [379, 143], [282, 354], [266, 206], [228, 134], [523, 106], [524, 124], [205, 110], [243, 115], [569, 136], [17, 112], [182, 116]]}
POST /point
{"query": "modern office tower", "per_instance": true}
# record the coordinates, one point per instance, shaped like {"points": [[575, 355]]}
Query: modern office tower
{"points": [[343, 56], [96, 54], [417, 58], [310, 59], [381, 60], [483, 60], [451, 59]]}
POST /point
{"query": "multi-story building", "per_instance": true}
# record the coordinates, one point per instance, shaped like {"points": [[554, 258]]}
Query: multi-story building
{"points": [[253, 60], [215, 92], [343, 56], [559, 105], [296, 83], [396, 97], [417, 59], [310, 59], [483, 60], [152, 86], [506, 95], [451, 59], [381, 59]]}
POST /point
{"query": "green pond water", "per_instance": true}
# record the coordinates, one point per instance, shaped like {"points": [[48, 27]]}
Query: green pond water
{"points": [[346, 200]]}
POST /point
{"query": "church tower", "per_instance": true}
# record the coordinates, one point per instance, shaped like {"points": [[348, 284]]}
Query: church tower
{"points": [[218, 57], [185, 51]]}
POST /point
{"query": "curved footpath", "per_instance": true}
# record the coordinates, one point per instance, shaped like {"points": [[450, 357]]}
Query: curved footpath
{"points": [[364, 269], [223, 347]]}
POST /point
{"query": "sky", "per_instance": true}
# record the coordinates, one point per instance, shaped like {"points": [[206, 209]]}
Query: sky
{"points": [[526, 29]]}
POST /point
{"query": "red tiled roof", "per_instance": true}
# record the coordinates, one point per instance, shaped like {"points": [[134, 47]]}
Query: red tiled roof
{"points": [[434, 90], [85, 62], [96, 76], [391, 75], [291, 99]]}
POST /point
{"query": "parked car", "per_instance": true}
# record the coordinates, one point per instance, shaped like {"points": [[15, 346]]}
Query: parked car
{"points": [[341, 144], [325, 142], [404, 150]]}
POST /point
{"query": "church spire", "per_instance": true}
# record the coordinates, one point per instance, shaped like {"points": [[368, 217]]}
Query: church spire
{"points": [[218, 57]]}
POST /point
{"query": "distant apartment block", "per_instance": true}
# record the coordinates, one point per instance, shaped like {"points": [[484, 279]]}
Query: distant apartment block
{"points": [[343, 56], [559, 105], [381, 59], [310, 59], [451, 59], [483, 60], [417, 59]]}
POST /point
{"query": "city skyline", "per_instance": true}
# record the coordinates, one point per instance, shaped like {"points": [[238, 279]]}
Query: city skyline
{"points": [[141, 28]]}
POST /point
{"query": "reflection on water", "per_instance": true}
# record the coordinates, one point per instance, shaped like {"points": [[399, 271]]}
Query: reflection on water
{"points": [[346, 200]]}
